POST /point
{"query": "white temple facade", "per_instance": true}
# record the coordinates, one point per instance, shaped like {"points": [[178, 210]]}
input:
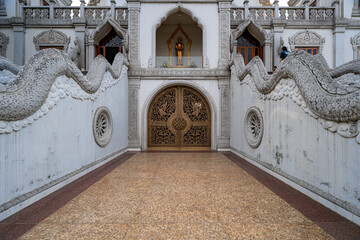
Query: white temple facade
{"points": [[180, 75]]}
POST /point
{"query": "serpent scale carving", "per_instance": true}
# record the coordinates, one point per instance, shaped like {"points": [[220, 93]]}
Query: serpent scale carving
{"points": [[332, 94], [29, 90]]}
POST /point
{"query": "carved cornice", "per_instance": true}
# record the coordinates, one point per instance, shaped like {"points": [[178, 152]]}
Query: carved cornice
{"points": [[31, 94], [179, 73]]}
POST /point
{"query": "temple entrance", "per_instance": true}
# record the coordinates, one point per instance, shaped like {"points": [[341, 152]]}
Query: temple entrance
{"points": [[109, 46], [249, 47], [179, 118]]}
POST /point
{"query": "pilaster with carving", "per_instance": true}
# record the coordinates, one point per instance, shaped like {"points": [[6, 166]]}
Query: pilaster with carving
{"points": [[224, 88], [224, 31], [4, 40], [134, 32], [134, 86]]}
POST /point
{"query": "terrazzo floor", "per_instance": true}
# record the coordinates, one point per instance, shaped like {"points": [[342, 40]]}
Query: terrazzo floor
{"points": [[177, 196]]}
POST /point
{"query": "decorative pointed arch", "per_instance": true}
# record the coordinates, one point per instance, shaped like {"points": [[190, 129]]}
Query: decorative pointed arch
{"points": [[255, 29], [170, 11], [105, 27]]}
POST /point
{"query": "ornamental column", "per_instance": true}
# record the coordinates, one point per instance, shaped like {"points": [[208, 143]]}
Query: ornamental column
{"points": [[134, 139], [224, 33], [134, 33], [225, 104]]}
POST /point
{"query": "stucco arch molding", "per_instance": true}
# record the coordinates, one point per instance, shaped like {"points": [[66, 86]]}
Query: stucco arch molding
{"points": [[307, 39], [104, 28], [255, 29], [171, 10], [51, 38]]}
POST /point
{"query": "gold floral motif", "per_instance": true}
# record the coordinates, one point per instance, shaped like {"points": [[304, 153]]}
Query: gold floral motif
{"points": [[179, 118]]}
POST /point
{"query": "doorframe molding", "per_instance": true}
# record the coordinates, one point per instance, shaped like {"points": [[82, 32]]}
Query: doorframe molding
{"points": [[191, 84]]}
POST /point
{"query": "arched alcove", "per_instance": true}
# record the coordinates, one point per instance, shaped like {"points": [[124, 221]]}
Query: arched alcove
{"points": [[179, 25]]}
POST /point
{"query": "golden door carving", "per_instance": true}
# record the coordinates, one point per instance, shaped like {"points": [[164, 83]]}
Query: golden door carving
{"points": [[179, 118]]}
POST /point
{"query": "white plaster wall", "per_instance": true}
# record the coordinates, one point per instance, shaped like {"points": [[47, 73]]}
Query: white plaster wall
{"points": [[148, 88], [348, 7], [33, 32], [298, 145], [151, 13], [60, 143], [328, 50], [10, 8], [10, 47]]}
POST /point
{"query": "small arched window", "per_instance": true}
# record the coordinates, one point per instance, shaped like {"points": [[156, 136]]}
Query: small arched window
{"points": [[110, 45], [249, 47]]}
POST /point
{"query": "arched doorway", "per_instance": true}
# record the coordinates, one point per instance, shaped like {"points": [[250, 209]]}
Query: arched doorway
{"points": [[249, 47], [110, 45], [179, 118]]}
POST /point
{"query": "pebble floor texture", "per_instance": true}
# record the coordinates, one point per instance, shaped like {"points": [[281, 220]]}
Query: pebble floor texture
{"points": [[177, 196]]}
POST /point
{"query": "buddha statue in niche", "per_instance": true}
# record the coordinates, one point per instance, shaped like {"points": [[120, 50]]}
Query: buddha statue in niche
{"points": [[179, 48]]}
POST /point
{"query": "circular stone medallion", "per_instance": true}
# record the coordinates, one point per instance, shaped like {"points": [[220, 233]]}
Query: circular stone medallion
{"points": [[179, 123], [254, 126], [102, 126]]}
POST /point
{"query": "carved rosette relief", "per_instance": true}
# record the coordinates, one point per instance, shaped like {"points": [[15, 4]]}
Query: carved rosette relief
{"points": [[4, 40], [102, 126], [254, 126], [355, 42], [52, 38], [307, 39]]}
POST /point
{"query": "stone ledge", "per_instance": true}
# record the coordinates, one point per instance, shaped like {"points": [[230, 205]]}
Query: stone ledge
{"points": [[180, 73]]}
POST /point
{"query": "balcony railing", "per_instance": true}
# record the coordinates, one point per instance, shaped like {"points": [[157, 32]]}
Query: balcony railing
{"points": [[70, 13], [172, 62], [285, 13]]}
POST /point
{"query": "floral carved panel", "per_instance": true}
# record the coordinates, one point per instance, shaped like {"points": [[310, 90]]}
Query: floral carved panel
{"points": [[179, 118], [52, 38], [307, 39]]}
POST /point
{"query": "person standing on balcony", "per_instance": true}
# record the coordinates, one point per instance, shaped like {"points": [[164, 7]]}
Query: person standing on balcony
{"points": [[284, 53]]}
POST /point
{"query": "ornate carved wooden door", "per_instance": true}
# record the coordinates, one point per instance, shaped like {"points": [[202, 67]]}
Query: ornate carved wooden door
{"points": [[179, 118]]}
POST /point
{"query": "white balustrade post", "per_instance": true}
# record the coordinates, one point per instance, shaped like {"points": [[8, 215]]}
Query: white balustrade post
{"points": [[335, 4], [276, 10], [113, 8], [307, 10], [51, 10], [246, 10], [82, 8]]}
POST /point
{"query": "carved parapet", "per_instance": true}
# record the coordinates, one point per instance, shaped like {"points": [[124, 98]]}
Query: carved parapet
{"points": [[330, 95], [28, 92]]}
